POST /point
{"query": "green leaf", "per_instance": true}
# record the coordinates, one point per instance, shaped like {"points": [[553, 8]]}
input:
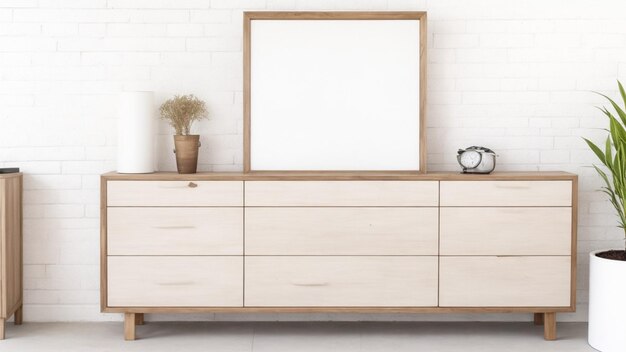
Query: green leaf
{"points": [[596, 150], [608, 158], [622, 92], [614, 157], [619, 110]]}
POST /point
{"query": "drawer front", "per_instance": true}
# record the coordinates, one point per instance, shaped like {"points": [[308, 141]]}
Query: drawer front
{"points": [[174, 193], [341, 231], [506, 193], [175, 281], [341, 281], [505, 281], [175, 231], [506, 231], [341, 193]]}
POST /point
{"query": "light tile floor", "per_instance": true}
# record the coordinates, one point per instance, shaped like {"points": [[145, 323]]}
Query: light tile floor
{"points": [[295, 336]]}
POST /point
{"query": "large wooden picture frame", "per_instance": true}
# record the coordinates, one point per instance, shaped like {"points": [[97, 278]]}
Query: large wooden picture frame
{"points": [[335, 91]]}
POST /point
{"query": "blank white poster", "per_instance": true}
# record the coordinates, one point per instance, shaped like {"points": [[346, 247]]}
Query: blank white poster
{"points": [[335, 95]]}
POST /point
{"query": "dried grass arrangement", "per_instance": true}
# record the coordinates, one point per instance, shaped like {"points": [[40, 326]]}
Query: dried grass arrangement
{"points": [[181, 111]]}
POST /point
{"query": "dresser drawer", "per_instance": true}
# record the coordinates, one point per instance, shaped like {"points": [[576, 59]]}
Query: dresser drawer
{"points": [[341, 281], [506, 193], [506, 231], [175, 193], [175, 231], [505, 281], [341, 231], [175, 281], [341, 193]]}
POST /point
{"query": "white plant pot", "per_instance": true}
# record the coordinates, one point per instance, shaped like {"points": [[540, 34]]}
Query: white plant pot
{"points": [[607, 304]]}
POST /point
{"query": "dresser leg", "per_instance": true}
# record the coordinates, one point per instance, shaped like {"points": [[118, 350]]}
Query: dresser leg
{"points": [[139, 319], [538, 318], [129, 326], [549, 326], [17, 316], [2, 321]]}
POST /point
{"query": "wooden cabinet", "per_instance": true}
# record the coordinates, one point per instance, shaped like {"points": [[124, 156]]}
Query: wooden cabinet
{"points": [[338, 242], [10, 249]]}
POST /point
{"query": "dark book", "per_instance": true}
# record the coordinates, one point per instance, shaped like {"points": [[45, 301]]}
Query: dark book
{"points": [[9, 170]]}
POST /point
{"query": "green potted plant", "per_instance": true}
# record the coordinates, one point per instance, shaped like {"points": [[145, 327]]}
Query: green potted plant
{"points": [[607, 287], [181, 111]]}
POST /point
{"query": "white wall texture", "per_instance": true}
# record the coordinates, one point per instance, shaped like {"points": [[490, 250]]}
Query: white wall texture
{"points": [[512, 75]]}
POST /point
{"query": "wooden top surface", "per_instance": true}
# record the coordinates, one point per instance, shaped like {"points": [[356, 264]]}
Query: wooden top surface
{"points": [[339, 175], [11, 175]]}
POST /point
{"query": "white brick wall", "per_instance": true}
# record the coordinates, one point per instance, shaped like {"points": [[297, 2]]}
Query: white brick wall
{"points": [[512, 75]]}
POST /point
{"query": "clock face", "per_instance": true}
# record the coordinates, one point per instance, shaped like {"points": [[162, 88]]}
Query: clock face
{"points": [[470, 159]]}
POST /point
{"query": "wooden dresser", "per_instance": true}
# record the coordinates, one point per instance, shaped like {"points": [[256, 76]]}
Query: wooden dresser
{"points": [[339, 242], [10, 249]]}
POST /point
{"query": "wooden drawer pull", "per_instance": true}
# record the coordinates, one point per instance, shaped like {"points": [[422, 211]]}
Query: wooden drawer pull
{"points": [[192, 185], [182, 227], [176, 283], [510, 185], [309, 284]]}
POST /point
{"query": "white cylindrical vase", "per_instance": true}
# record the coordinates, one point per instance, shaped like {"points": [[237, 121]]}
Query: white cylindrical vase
{"points": [[136, 133], [607, 304]]}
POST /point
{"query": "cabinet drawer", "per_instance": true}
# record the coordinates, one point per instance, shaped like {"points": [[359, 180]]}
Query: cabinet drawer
{"points": [[506, 193], [175, 281], [341, 193], [341, 281], [505, 281], [175, 231], [175, 193], [506, 231], [341, 231]]}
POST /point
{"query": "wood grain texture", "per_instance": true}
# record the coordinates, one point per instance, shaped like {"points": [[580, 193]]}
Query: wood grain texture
{"points": [[538, 318], [423, 91], [334, 193], [291, 281], [334, 15], [139, 319], [103, 243], [549, 326], [339, 310], [174, 193], [342, 176], [175, 281], [11, 282], [345, 176], [129, 326], [492, 281], [246, 91], [574, 242], [509, 193], [506, 231], [175, 231], [341, 231]]}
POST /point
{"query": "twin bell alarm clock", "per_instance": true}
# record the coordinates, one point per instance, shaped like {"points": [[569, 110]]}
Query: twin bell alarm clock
{"points": [[476, 160]]}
